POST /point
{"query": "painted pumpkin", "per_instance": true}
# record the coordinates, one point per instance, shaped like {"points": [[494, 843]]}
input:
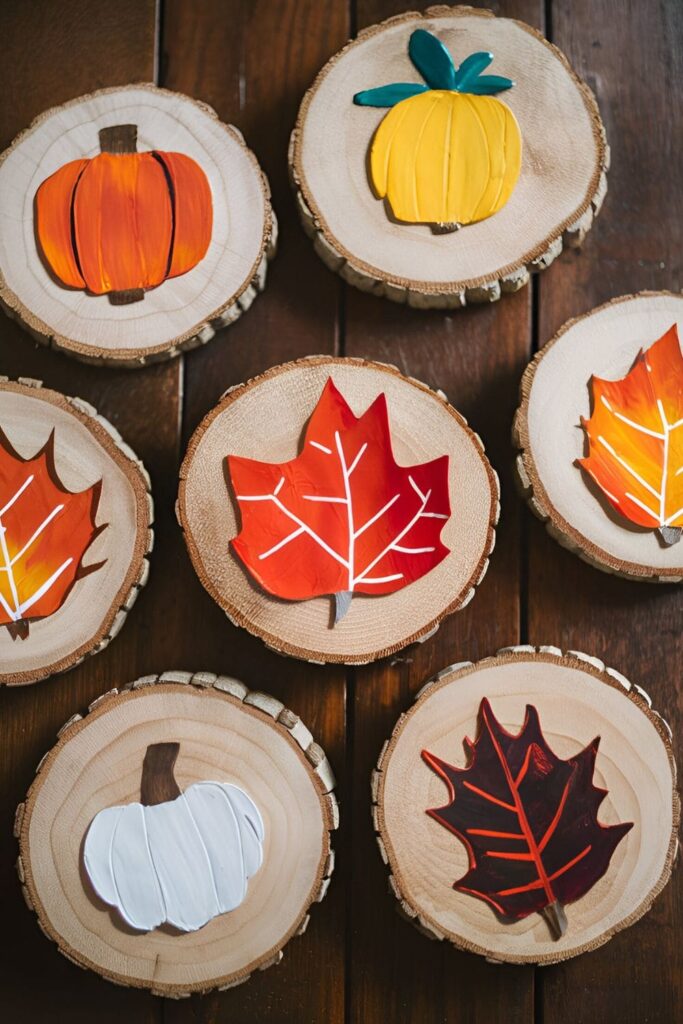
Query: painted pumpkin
{"points": [[448, 153], [124, 221], [176, 858]]}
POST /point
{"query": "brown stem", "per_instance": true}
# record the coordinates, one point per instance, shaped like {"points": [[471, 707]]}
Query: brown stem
{"points": [[124, 298], [158, 784], [119, 138], [18, 630]]}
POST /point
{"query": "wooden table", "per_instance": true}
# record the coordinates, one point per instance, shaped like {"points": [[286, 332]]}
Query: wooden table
{"points": [[252, 61]]}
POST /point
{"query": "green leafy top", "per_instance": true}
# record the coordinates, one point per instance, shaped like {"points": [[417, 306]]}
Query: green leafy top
{"points": [[435, 64]]}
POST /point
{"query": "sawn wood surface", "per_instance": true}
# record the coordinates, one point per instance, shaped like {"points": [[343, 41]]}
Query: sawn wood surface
{"points": [[358, 962]]}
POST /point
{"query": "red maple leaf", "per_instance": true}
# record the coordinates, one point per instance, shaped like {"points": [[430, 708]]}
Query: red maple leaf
{"points": [[44, 532], [528, 819], [342, 517]]}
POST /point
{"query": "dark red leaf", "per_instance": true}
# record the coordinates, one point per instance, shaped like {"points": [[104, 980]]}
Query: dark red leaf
{"points": [[528, 818]]}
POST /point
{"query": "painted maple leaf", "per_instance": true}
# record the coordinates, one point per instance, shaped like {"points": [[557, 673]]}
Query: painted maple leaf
{"points": [[528, 820], [44, 532], [635, 439], [341, 518]]}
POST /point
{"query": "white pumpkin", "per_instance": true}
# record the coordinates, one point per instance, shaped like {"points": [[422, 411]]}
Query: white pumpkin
{"points": [[181, 862]]}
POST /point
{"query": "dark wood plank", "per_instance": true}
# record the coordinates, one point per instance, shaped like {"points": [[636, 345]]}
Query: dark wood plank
{"points": [[52, 53], [252, 62], [636, 243], [476, 356]]}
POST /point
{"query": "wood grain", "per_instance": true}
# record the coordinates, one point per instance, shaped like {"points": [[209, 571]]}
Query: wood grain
{"points": [[242, 424], [577, 698], [226, 733], [50, 55], [561, 184], [570, 604], [136, 327], [88, 452], [252, 63], [555, 397], [476, 356]]}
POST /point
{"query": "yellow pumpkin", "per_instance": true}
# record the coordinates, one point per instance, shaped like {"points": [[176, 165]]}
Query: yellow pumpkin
{"points": [[447, 155]]}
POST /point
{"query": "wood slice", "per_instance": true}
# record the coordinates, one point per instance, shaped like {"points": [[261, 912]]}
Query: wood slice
{"points": [[225, 734], [183, 311], [560, 188], [555, 394], [577, 698], [264, 419], [88, 453]]}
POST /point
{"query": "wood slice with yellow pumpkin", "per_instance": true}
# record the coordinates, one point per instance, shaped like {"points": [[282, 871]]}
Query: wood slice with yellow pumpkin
{"points": [[600, 436], [417, 180], [133, 225], [75, 531], [177, 834]]}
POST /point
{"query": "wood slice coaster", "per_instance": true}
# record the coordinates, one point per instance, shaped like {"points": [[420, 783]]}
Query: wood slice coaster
{"points": [[76, 513], [577, 699], [264, 419], [555, 394], [222, 734], [181, 312], [560, 188]]}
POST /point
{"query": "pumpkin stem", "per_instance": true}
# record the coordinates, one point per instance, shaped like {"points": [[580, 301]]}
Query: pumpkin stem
{"points": [[124, 298], [119, 138], [158, 784]]}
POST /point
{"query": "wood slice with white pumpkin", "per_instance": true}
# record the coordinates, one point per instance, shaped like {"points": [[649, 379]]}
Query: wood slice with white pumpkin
{"points": [[133, 225], [421, 179], [75, 531], [337, 509], [600, 436], [526, 805], [176, 836]]}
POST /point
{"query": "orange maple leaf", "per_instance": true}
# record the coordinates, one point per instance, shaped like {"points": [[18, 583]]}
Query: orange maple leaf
{"points": [[342, 517], [45, 531], [635, 439]]}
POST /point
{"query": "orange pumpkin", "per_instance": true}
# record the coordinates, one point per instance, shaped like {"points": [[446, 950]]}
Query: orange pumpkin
{"points": [[124, 221]]}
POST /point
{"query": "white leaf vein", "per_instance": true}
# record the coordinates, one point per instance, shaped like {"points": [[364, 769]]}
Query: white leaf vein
{"points": [[349, 562], [21, 607], [659, 516]]}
